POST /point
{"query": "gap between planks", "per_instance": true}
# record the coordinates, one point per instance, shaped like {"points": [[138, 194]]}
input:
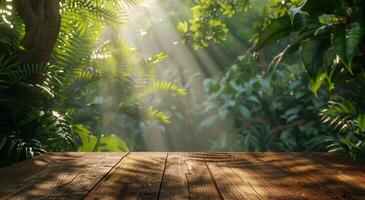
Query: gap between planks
{"points": [[137, 176], [214, 181], [163, 174], [109, 172]]}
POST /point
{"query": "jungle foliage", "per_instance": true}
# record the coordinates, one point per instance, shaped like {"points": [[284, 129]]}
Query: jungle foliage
{"points": [[245, 110], [69, 81], [276, 114], [328, 36], [58, 102]]}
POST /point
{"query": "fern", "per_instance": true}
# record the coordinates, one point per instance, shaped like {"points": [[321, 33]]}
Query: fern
{"points": [[161, 85], [155, 114], [338, 115], [41, 102], [110, 13], [348, 123], [38, 99]]}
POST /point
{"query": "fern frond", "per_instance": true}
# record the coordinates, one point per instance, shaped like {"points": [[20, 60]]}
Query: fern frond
{"points": [[145, 70], [27, 72], [150, 69], [129, 3], [162, 85], [155, 114], [106, 12], [79, 79], [339, 116], [72, 50], [36, 133]]}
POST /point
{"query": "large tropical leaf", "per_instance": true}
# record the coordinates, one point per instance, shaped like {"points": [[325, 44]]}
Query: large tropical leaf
{"points": [[319, 7], [312, 55], [112, 143], [346, 41], [280, 28]]}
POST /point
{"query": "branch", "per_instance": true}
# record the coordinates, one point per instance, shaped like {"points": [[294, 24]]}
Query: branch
{"points": [[278, 129]]}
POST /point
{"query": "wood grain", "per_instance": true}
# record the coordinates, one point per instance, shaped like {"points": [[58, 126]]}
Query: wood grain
{"points": [[137, 176], [201, 184], [56, 174], [196, 175], [175, 182], [315, 174], [233, 184], [344, 169], [277, 180], [87, 178]]}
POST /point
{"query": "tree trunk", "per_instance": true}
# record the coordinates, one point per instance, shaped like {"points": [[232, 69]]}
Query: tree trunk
{"points": [[42, 24]]}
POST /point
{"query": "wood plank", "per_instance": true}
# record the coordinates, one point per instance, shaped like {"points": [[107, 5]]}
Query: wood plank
{"points": [[248, 172], [184, 176], [58, 171], [19, 174], [201, 184], [175, 182], [137, 176], [345, 169], [86, 179], [230, 184], [325, 178], [273, 181]]}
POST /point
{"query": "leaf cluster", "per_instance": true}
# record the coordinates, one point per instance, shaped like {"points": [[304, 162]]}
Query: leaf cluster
{"points": [[268, 113], [330, 37], [206, 24]]}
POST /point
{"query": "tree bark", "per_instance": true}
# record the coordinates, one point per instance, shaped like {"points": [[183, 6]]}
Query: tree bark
{"points": [[42, 21]]}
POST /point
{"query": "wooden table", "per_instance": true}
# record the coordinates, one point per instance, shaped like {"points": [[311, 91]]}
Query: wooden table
{"points": [[138, 175]]}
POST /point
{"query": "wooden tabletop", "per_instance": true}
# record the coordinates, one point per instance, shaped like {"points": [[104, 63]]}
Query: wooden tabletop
{"points": [[139, 175]]}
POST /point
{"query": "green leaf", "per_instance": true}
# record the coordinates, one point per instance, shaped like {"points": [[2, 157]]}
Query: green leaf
{"points": [[280, 28], [245, 112], [253, 98], [361, 122], [157, 58], [312, 56], [156, 114], [223, 112], [160, 86], [265, 84], [316, 82], [294, 46], [292, 111], [295, 84], [88, 141], [182, 27], [208, 121], [112, 143], [294, 11], [346, 42]]}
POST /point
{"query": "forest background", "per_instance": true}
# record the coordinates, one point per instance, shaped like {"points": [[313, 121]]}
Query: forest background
{"points": [[181, 76]]}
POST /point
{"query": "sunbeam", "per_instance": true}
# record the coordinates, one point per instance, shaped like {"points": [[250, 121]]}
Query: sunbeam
{"points": [[182, 66]]}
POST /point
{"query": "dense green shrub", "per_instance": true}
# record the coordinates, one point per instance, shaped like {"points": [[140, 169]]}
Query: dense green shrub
{"points": [[56, 102], [277, 113], [330, 36]]}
